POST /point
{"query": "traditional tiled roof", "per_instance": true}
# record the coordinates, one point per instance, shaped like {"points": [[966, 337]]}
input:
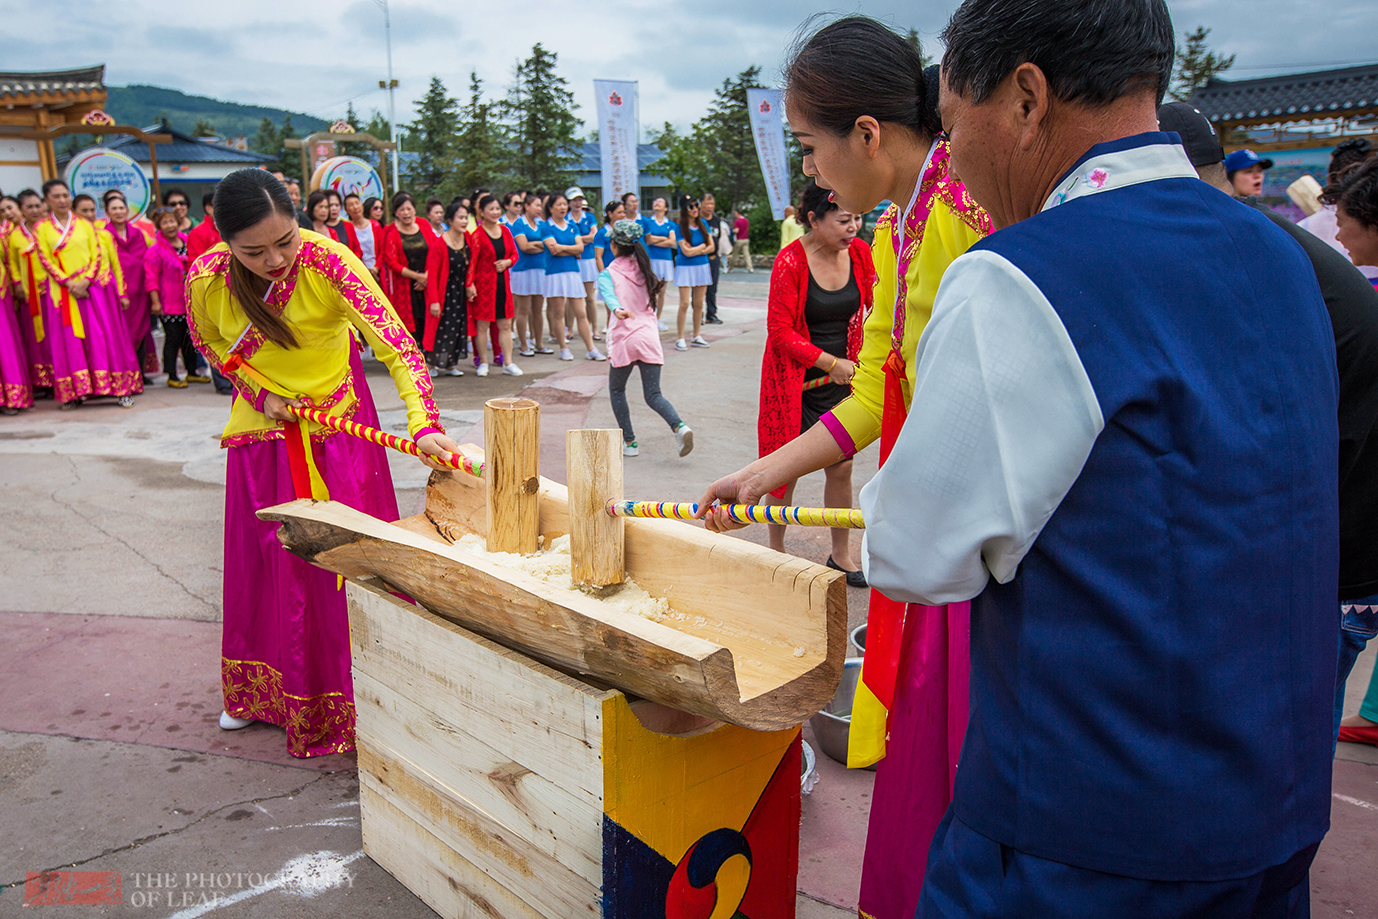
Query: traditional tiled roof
{"points": [[52, 82], [1294, 97]]}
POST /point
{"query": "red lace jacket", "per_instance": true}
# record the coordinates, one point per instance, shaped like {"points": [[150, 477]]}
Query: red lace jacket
{"points": [[789, 353]]}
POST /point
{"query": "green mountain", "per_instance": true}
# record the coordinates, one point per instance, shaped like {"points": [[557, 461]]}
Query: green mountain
{"points": [[146, 105]]}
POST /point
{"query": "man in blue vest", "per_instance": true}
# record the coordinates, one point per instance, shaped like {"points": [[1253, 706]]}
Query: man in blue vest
{"points": [[1123, 444]]}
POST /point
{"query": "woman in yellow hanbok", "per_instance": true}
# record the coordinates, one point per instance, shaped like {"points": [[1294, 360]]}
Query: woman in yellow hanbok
{"points": [[865, 113], [275, 309]]}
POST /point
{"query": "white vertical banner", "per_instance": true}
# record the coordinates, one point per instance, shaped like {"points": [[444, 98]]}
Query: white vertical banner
{"points": [[768, 127], [618, 133]]}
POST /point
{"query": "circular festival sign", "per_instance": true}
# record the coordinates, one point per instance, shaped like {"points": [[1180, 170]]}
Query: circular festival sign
{"points": [[96, 170], [348, 175]]}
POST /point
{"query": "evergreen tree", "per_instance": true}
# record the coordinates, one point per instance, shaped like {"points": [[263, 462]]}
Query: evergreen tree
{"points": [[203, 128], [289, 161], [734, 172], [474, 160], [1195, 65], [430, 137], [543, 129], [356, 148], [913, 39], [265, 140], [685, 163]]}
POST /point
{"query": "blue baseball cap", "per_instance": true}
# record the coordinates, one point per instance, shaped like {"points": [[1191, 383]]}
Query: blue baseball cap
{"points": [[1243, 159]]}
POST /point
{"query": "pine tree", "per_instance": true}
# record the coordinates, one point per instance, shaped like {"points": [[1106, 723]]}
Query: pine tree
{"points": [[913, 39], [543, 129], [474, 160], [356, 148], [203, 128], [266, 140], [289, 161], [429, 136], [734, 173], [1196, 64]]}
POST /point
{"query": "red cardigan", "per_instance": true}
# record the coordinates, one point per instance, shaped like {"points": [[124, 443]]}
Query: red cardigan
{"points": [[789, 353], [484, 277], [391, 260]]}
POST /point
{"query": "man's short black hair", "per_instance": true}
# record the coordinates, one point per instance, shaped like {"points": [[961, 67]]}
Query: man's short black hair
{"points": [[208, 200], [1092, 51]]}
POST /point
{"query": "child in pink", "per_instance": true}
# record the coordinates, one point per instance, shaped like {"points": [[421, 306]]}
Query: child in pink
{"points": [[165, 277], [628, 287]]}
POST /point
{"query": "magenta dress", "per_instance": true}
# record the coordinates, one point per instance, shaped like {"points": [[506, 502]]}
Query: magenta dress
{"points": [[32, 307], [914, 781], [92, 352], [16, 391], [285, 655], [132, 249]]}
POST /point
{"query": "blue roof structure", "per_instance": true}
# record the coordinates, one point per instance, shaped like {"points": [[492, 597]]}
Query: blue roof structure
{"points": [[183, 149]]}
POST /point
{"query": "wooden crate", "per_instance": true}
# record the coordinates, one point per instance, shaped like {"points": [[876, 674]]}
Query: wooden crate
{"points": [[493, 785]]}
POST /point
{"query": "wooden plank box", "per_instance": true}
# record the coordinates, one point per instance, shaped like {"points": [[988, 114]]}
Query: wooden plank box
{"points": [[494, 785]]}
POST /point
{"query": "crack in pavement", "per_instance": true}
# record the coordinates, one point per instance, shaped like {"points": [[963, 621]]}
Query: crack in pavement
{"points": [[154, 837], [76, 472]]}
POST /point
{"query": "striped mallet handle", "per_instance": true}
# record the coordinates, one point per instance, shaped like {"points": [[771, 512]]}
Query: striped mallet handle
{"points": [[817, 382], [745, 513], [382, 438]]}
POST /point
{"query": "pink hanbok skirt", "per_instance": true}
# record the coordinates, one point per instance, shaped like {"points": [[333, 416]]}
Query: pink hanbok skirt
{"points": [[285, 655], [16, 390], [914, 781], [101, 363], [40, 353], [139, 322]]}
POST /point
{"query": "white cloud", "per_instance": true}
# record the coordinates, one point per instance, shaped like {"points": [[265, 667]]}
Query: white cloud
{"points": [[307, 56]]}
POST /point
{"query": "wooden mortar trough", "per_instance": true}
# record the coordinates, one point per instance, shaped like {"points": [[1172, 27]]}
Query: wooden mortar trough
{"points": [[760, 643]]}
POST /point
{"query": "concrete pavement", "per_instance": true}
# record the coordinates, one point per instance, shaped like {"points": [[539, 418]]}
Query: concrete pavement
{"points": [[110, 757]]}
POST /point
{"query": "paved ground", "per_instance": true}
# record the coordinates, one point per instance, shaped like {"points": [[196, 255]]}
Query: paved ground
{"points": [[110, 756]]}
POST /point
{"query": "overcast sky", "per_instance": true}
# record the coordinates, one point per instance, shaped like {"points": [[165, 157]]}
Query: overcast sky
{"points": [[305, 55]]}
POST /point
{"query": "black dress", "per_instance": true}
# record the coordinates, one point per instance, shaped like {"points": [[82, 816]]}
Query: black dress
{"points": [[827, 313], [500, 297], [451, 339], [416, 249]]}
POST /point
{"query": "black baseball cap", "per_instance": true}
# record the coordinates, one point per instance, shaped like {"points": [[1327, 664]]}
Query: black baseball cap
{"points": [[1198, 137]]}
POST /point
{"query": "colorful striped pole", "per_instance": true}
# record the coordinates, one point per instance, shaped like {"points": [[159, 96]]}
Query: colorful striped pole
{"points": [[382, 438], [744, 513], [816, 382]]}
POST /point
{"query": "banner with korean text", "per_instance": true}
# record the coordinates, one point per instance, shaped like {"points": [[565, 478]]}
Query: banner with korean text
{"points": [[768, 127], [618, 133]]}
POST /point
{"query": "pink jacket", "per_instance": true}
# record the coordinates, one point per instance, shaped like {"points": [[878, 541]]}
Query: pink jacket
{"points": [[165, 274], [636, 338]]}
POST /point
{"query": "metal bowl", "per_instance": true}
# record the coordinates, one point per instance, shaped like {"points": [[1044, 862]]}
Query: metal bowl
{"points": [[859, 639], [833, 725]]}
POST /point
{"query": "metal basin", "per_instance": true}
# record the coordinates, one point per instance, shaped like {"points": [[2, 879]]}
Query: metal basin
{"points": [[859, 639], [808, 769], [833, 724]]}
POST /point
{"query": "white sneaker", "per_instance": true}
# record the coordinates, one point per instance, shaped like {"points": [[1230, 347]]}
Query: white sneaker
{"points": [[684, 438], [229, 722], [566, 354], [680, 345], [430, 372], [527, 352], [630, 449], [662, 326], [699, 342], [454, 372], [512, 370], [530, 343], [596, 355], [482, 370]]}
